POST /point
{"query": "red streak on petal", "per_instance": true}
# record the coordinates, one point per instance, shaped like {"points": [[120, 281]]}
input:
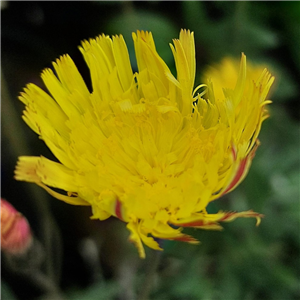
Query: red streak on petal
{"points": [[118, 209], [233, 150], [250, 213], [227, 216], [238, 175], [242, 167], [185, 238], [192, 224]]}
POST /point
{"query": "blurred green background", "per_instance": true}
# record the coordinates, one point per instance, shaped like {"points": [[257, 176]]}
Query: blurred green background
{"points": [[89, 260]]}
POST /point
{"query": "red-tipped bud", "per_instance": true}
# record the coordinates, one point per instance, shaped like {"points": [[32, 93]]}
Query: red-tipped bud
{"points": [[16, 235]]}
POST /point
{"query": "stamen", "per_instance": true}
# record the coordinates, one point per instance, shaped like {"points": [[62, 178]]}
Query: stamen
{"points": [[199, 87]]}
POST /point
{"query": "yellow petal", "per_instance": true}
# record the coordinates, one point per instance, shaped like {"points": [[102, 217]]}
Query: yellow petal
{"points": [[135, 238], [122, 62]]}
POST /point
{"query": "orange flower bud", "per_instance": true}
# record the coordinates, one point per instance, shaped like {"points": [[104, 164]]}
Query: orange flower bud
{"points": [[16, 235]]}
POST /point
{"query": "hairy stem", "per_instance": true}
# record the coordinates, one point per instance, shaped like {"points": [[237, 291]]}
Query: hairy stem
{"points": [[150, 275]]}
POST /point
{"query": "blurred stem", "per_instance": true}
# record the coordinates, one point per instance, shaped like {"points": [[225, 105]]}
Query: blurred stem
{"points": [[55, 251], [12, 128], [45, 285], [152, 267], [49, 233], [27, 266]]}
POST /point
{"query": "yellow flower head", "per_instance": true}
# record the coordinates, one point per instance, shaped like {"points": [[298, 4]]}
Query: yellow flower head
{"points": [[144, 147]]}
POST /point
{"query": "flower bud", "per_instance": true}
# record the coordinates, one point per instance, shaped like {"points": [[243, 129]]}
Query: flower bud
{"points": [[16, 235]]}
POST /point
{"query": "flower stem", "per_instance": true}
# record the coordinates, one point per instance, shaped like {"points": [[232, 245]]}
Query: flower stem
{"points": [[147, 285]]}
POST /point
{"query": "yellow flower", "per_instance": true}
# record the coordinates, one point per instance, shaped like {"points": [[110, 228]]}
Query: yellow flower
{"points": [[144, 147], [225, 75]]}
